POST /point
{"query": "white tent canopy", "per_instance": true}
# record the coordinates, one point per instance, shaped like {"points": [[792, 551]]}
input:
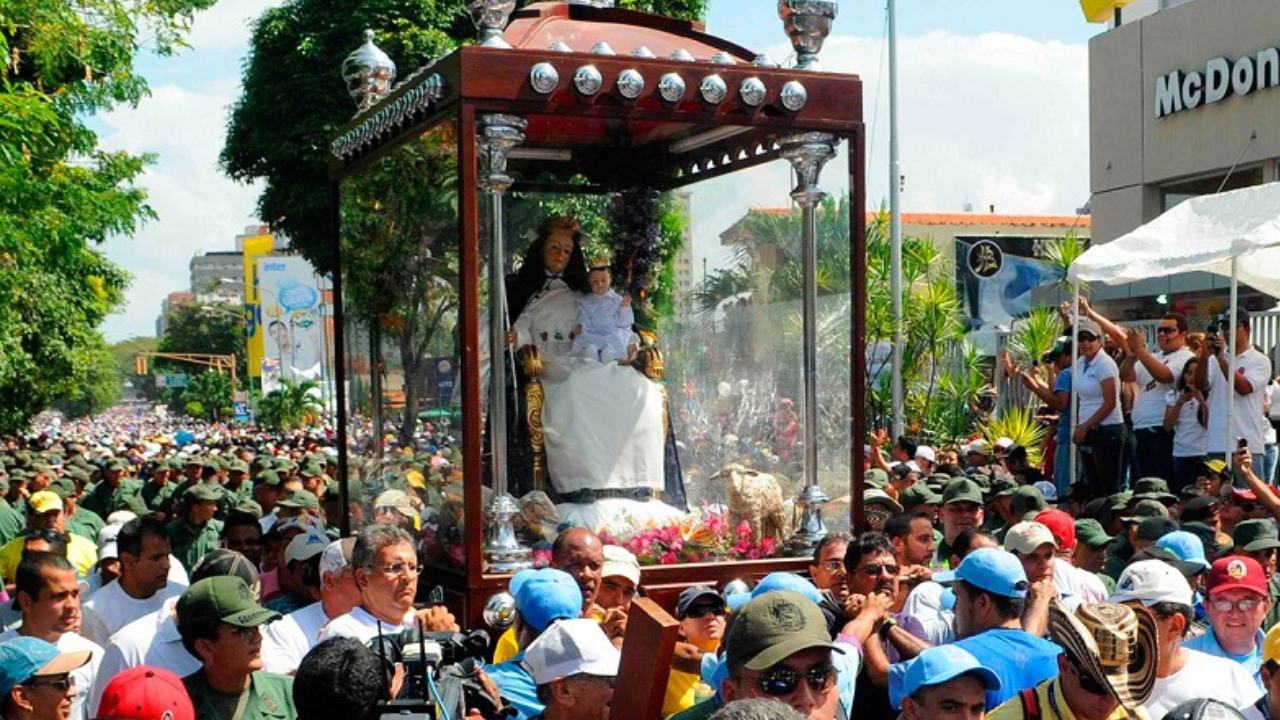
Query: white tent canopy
{"points": [[1204, 233]]}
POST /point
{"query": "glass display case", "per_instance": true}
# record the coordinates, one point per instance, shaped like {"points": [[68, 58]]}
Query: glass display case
{"points": [[661, 233]]}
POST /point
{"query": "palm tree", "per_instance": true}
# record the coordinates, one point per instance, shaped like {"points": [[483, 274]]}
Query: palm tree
{"points": [[293, 405]]}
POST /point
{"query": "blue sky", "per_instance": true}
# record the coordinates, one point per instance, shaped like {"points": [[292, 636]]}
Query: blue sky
{"points": [[994, 108]]}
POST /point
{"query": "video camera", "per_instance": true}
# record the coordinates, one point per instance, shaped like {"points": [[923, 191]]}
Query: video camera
{"points": [[440, 680]]}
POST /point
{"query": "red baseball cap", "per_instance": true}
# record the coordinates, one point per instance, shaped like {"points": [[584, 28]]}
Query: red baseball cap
{"points": [[145, 693], [1061, 524], [1236, 571]]}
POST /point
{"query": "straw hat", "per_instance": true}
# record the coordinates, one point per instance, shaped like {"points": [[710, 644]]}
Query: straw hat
{"points": [[1114, 644]]}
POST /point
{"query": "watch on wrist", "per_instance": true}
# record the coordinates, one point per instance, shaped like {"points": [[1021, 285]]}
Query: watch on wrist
{"points": [[888, 624]]}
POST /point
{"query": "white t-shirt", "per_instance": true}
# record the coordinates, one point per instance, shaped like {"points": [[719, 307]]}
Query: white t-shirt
{"points": [[1082, 585], [1248, 421], [150, 640], [1190, 438], [1204, 676], [1148, 408], [1088, 381], [116, 608], [926, 605], [362, 626], [286, 640], [85, 675]]}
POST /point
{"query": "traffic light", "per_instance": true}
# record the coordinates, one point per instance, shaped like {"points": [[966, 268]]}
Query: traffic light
{"points": [[140, 365]]}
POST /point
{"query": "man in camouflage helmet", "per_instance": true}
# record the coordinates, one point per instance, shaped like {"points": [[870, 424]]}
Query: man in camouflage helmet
{"points": [[195, 532]]}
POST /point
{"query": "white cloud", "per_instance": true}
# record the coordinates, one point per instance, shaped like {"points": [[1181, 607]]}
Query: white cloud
{"points": [[226, 26], [199, 208]]}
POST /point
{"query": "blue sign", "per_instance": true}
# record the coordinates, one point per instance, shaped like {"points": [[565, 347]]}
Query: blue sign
{"points": [[242, 411]]}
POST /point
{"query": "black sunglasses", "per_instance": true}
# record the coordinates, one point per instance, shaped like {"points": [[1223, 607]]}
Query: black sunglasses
{"points": [[782, 681], [876, 570], [61, 684], [1167, 330], [700, 611], [1087, 337]]}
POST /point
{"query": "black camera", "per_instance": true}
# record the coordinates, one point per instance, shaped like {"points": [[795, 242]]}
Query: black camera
{"points": [[439, 673]]}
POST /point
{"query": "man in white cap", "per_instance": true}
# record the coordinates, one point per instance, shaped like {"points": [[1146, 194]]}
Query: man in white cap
{"points": [[284, 643], [619, 579], [574, 666], [1183, 674], [925, 459], [299, 575]]}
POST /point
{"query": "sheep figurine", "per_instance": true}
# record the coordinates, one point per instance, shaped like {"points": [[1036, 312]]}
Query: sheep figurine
{"points": [[757, 498]]}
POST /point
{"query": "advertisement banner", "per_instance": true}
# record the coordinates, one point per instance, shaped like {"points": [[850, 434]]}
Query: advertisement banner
{"points": [[291, 317], [254, 248]]}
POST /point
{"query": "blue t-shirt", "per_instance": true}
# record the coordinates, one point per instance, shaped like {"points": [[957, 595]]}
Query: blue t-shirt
{"points": [[516, 685], [1208, 643], [1063, 384], [1021, 660]]}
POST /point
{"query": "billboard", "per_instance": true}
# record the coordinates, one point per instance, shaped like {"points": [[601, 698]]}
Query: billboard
{"points": [[254, 248], [291, 317]]}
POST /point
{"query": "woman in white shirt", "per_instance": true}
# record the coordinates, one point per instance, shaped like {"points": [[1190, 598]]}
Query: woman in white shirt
{"points": [[1187, 415], [1100, 427]]}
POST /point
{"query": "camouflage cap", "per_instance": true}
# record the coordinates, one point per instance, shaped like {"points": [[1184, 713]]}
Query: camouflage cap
{"points": [[270, 478], [304, 499], [204, 492]]}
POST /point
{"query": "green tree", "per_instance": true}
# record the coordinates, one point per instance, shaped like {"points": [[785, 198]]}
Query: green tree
{"points": [[99, 380], [292, 406], [205, 329], [61, 196], [210, 392]]}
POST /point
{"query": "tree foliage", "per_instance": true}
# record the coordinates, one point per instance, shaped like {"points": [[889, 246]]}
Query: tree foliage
{"points": [[292, 406], [203, 329], [60, 195]]}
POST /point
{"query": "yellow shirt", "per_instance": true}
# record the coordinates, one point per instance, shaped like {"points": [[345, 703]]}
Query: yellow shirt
{"points": [[1053, 706], [680, 692], [82, 553], [507, 647]]}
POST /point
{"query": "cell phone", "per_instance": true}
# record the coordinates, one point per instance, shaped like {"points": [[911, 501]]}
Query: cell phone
{"points": [[1242, 443]]}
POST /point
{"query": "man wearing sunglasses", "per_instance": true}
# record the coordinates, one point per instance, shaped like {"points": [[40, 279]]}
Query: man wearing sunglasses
{"points": [[1247, 389], [701, 612], [35, 679], [1236, 602]]}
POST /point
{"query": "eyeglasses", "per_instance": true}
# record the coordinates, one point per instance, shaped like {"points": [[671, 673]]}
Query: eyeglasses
{"points": [[1245, 605], [61, 684], [1167, 330], [397, 569], [1087, 337], [833, 566], [701, 611], [782, 681], [876, 570]]}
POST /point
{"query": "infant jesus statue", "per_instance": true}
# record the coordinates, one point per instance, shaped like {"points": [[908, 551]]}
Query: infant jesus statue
{"points": [[604, 321]]}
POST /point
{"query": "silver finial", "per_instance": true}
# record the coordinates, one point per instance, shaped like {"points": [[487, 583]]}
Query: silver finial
{"points": [[808, 22], [588, 80], [544, 78], [794, 96], [713, 89], [723, 58], [602, 48], [490, 17], [643, 52], [500, 611], [682, 55], [763, 60], [630, 84], [753, 91], [561, 46], [671, 87], [368, 73]]}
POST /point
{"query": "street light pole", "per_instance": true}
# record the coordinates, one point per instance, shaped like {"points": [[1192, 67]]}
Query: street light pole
{"points": [[895, 225]]}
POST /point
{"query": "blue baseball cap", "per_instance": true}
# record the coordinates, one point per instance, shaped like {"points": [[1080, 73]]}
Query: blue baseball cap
{"points": [[787, 581], [546, 595], [935, 666], [1186, 546], [23, 658], [996, 571]]}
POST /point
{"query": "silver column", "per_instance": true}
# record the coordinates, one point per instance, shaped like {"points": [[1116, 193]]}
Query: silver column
{"points": [[808, 152], [497, 135]]}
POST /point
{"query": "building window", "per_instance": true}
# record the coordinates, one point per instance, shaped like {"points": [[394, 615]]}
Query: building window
{"points": [[1177, 193]]}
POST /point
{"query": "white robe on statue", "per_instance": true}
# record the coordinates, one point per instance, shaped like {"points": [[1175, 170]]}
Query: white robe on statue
{"points": [[602, 421]]}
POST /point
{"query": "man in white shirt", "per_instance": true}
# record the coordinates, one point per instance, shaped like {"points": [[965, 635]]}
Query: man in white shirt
{"points": [[385, 569], [1071, 581], [284, 643], [154, 640], [143, 585], [1183, 674], [1156, 374], [48, 594], [1253, 371]]}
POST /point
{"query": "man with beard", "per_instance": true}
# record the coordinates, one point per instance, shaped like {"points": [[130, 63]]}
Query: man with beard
{"points": [[48, 595], [914, 546], [220, 624], [143, 585], [991, 589]]}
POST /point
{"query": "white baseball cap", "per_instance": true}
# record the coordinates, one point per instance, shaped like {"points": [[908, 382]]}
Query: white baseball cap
{"points": [[571, 647], [1151, 582], [305, 546], [924, 452], [619, 562], [1025, 537], [336, 557], [107, 542]]}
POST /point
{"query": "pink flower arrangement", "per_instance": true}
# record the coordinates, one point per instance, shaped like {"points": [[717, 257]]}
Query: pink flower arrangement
{"points": [[707, 537]]}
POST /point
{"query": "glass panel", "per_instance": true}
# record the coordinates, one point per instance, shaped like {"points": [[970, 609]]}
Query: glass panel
{"points": [[400, 257], [699, 380]]}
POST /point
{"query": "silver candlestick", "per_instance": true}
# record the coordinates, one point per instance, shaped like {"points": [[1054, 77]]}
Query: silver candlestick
{"points": [[808, 23], [490, 17], [368, 73], [808, 153], [497, 135]]}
